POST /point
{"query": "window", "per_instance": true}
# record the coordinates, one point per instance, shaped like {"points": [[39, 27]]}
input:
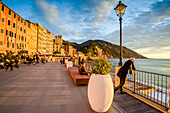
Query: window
{"points": [[17, 45], [13, 25], [6, 32], [14, 15], [21, 20], [9, 22], [20, 28], [18, 18], [12, 45], [2, 31], [2, 8], [12, 34], [1, 43], [15, 35], [29, 25], [22, 38], [7, 44], [24, 23], [9, 33], [3, 19], [19, 37], [25, 39], [9, 12], [25, 45], [24, 30], [20, 44]]}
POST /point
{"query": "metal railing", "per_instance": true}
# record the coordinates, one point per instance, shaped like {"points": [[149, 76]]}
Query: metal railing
{"points": [[152, 86]]}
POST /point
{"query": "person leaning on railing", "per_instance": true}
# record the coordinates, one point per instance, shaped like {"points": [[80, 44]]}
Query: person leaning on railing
{"points": [[122, 73]]}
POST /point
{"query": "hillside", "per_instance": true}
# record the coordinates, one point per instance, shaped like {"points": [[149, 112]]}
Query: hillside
{"points": [[99, 47]]}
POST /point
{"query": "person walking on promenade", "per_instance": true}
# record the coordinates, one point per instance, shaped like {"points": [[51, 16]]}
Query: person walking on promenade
{"points": [[51, 59], [9, 63], [64, 60], [42, 60], [122, 73], [79, 61], [33, 62], [37, 58], [6, 64], [16, 62], [82, 60]]}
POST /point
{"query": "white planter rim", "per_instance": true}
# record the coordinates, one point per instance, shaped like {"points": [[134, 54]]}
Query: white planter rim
{"points": [[101, 74]]}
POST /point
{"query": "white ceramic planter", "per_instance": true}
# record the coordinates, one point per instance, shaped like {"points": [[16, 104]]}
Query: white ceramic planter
{"points": [[100, 92]]}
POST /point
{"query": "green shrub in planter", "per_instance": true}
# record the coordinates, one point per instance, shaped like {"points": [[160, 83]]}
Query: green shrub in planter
{"points": [[101, 66]]}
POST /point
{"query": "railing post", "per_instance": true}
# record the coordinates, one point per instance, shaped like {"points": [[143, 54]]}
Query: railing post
{"points": [[134, 81]]}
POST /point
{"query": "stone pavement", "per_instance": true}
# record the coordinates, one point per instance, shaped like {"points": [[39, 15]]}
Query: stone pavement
{"points": [[132, 105], [42, 88], [49, 88]]}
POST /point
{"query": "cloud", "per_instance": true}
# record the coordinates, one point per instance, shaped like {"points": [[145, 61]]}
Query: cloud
{"points": [[103, 10], [148, 32], [51, 14], [145, 23]]}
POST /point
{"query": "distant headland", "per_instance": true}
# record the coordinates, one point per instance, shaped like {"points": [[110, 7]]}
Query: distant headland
{"points": [[95, 48]]}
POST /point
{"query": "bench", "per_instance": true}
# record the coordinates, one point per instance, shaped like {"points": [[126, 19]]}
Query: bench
{"points": [[77, 78]]}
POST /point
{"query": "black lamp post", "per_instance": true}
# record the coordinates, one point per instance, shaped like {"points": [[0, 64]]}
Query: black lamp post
{"points": [[120, 10]]}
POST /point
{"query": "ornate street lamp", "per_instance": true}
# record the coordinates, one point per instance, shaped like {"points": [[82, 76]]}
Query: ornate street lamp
{"points": [[120, 10]]}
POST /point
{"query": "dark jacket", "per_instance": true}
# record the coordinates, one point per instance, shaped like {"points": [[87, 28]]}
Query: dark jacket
{"points": [[124, 69], [82, 70]]}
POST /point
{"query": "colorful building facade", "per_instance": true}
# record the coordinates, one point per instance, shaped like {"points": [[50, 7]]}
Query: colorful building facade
{"points": [[58, 43], [49, 43], [31, 37], [17, 34], [13, 35]]}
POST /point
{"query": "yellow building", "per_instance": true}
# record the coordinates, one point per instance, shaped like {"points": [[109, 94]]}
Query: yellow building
{"points": [[62, 51], [41, 38], [80, 54], [70, 51], [49, 43], [58, 42], [31, 37]]}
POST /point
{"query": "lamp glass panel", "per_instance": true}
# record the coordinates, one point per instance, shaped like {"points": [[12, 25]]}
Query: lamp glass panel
{"points": [[120, 9]]}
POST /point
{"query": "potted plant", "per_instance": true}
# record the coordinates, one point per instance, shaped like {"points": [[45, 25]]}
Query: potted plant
{"points": [[100, 86]]}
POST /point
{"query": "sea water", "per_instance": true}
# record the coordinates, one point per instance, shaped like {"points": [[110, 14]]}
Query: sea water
{"points": [[160, 66]]}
